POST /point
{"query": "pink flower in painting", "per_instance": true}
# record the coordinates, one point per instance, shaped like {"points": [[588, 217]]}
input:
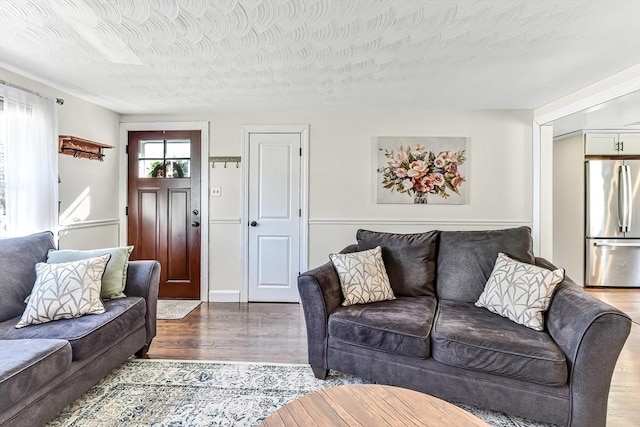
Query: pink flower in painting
{"points": [[451, 157], [452, 168], [417, 150], [418, 169], [438, 179], [399, 158], [424, 184], [457, 180], [401, 173]]}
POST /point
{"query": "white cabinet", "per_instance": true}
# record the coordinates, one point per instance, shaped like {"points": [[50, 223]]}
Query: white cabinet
{"points": [[629, 143], [616, 144], [601, 144]]}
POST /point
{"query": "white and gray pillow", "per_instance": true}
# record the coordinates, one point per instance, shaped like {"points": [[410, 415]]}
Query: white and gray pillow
{"points": [[65, 291], [519, 291], [363, 277]]}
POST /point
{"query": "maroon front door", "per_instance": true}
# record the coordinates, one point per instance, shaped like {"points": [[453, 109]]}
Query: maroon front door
{"points": [[164, 207]]}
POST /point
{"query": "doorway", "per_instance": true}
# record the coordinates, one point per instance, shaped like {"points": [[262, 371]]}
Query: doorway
{"points": [[164, 210], [275, 215]]}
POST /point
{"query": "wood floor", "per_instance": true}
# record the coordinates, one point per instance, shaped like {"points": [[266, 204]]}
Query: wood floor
{"points": [[266, 332]]}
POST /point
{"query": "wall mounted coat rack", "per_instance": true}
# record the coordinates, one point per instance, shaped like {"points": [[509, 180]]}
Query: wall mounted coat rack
{"points": [[222, 159], [81, 148]]}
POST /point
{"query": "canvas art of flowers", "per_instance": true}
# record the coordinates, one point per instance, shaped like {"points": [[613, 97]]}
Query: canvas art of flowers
{"points": [[418, 172]]}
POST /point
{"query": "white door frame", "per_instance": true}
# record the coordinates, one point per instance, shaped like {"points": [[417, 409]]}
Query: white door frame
{"points": [[247, 130], [203, 127]]}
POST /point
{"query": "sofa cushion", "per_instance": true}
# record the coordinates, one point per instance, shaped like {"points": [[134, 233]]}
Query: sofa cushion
{"points": [[26, 365], [88, 334], [466, 259], [401, 326], [363, 278], [18, 258], [473, 338], [410, 260], [65, 291], [519, 291]]}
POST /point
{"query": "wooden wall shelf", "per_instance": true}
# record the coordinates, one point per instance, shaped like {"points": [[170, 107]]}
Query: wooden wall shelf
{"points": [[82, 148]]}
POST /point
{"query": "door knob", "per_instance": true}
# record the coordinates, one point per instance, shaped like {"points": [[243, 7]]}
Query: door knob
{"points": [[195, 224], [253, 224]]}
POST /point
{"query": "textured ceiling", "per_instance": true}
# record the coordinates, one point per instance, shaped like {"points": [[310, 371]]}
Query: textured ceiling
{"points": [[170, 56]]}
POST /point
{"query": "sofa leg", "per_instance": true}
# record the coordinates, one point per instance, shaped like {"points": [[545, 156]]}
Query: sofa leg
{"points": [[320, 373], [142, 353]]}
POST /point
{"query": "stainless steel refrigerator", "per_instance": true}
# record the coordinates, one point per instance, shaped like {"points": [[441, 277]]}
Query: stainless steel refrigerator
{"points": [[612, 223]]}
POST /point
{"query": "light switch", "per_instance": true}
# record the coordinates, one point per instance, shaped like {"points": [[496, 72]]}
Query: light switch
{"points": [[216, 191]]}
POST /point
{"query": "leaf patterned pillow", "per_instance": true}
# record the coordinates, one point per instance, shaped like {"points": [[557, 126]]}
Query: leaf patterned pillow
{"points": [[363, 278], [520, 292], [65, 291]]}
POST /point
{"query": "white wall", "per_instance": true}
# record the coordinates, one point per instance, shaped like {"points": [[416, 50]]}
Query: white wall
{"points": [[568, 206], [89, 188], [342, 174]]}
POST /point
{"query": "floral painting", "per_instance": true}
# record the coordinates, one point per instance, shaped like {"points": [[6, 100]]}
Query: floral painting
{"points": [[422, 170]]}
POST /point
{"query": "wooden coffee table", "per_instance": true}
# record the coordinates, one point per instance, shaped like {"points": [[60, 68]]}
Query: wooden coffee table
{"points": [[370, 405]]}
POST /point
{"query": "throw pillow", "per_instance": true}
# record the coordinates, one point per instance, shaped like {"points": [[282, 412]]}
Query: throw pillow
{"points": [[65, 291], [520, 292], [410, 260], [115, 276], [363, 278]]}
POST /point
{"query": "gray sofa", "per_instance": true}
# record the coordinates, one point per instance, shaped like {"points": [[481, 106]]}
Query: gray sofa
{"points": [[433, 339], [47, 366]]}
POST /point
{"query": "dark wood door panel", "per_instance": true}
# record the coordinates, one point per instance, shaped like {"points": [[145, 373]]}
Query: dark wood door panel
{"points": [[147, 239], [179, 228]]}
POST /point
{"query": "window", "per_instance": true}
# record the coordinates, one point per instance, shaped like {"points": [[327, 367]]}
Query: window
{"points": [[28, 162], [3, 181]]}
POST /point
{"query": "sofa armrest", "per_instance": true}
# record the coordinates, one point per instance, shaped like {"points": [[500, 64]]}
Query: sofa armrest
{"points": [[320, 294], [591, 334], [143, 279]]}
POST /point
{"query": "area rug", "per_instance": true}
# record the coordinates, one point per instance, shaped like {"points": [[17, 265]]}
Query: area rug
{"points": [[175, 309], [178, 393]]}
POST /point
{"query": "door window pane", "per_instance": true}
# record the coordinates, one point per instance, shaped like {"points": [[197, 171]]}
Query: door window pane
{"points": [[164, 158], [177, 168], [149, 168], [178, 149], [151, 149]]}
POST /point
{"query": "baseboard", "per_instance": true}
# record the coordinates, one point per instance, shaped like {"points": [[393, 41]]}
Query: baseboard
{"points": [[224, 296]]}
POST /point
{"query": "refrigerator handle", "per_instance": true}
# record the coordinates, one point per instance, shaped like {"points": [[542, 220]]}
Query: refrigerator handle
{"points": [[624, 198]]}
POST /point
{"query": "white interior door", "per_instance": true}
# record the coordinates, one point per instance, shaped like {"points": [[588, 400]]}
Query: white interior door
{"points": [[274, 216]]}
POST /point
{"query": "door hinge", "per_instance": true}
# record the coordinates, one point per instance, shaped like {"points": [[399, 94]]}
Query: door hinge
{"points": [[126, 211], [126, 149], [300, 213], [301, 152]]}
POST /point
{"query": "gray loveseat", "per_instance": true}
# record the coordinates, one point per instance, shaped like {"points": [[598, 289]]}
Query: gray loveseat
{"points": [[47, 366], [433, 339]]}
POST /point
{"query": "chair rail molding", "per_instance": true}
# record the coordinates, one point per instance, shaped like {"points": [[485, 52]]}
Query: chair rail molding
{"points": [[89, 224]]}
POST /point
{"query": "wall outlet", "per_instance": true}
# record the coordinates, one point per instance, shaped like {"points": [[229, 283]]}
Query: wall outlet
{"points": [[216, 191]]}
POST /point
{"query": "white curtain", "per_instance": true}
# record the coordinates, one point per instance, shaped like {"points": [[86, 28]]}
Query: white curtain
{"points": [[29, 129]]}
